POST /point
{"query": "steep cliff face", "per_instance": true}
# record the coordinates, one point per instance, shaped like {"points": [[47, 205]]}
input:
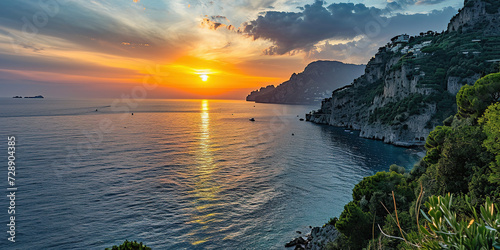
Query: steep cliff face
{"points": [[477, 12], [315, 83], [409, 87]]}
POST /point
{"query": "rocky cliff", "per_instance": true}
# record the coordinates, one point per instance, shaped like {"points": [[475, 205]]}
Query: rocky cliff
{"points": [[409, 87], [475, 12], [316, 82]]}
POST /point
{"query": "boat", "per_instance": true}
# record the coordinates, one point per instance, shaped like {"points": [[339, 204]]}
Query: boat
{"points": [[347, 130], [301, 119], [252, 119]]}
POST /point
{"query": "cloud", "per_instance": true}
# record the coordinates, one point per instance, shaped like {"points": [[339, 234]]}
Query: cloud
{"points": [[219, 18], [92, 26], [400, 4], [429, 2], [209, 24], [369, 26], [301, 30], [214, 23]]}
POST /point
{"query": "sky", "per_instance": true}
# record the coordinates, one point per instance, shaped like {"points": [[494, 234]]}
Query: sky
{"points": [[191, 48]]}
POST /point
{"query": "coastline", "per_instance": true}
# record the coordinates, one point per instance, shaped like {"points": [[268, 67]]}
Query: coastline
{"points": [[317, 239], [320, 119]]}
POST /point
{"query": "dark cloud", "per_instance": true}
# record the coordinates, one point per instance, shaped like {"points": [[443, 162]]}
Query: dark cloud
{"points": [[292, 31], [362, 49]]}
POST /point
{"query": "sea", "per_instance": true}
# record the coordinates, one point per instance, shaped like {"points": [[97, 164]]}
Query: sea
{"points": [[176, 174]]}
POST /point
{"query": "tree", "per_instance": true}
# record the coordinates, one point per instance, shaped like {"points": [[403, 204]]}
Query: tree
{"points": [[434, 144], [462, 150], [491, 127], [472, 101], [355, 225]]}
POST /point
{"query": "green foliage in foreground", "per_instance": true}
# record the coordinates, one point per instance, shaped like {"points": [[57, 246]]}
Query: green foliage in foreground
{"points": [[444, 230], [130, 245], [462, 160]]}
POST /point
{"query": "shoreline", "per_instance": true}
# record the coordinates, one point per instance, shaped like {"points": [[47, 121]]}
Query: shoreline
{"points": [[317, 239], [402, 144]]}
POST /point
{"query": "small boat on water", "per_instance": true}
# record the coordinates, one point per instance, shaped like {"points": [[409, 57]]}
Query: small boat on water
{"points": [[347, 130], [252, 119], [301, 119]]}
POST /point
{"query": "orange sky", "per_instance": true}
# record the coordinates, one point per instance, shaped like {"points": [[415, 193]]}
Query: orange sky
{"points": [[105, 48], [180, 49]]}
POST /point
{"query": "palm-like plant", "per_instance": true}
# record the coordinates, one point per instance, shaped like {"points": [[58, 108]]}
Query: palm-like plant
{"points": [[444, 231]]}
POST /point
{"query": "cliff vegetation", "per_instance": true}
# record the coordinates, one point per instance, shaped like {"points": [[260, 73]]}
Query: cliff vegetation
{"points": [[436, 204], [410, 85]]}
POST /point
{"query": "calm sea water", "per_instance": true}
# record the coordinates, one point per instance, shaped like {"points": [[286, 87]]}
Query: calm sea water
{"points": [[177, 174]]}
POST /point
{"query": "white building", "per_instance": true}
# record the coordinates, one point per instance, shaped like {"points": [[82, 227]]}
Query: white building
{"points": [[401, 39]]}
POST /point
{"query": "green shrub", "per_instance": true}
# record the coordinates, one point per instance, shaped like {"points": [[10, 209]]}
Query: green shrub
{"points": [[444, 230], [397, 169], [355, 225]]}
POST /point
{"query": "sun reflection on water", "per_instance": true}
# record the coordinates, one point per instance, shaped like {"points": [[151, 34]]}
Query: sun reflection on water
{"points": [[206, 188]]}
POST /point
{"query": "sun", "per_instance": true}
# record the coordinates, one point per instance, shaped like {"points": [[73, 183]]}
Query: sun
{"points": [[204, 77]]}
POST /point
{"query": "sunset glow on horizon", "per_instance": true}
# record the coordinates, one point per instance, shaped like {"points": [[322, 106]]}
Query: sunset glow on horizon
{"points": [[198, 50]]}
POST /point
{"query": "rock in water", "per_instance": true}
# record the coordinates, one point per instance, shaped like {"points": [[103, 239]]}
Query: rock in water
{"points": [[299, 247], [296, 241], [321, 236]]}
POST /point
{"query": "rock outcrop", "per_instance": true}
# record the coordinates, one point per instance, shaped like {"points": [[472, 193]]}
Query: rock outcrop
{"points": [[315, 83], [317, 239], [409, 87], [477, 12]]}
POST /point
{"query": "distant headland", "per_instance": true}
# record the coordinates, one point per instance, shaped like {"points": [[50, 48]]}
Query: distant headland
{"points": [[37, 96]]}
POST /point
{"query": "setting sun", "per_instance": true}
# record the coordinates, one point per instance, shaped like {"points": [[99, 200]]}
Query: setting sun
{"points": [[204, 77]]}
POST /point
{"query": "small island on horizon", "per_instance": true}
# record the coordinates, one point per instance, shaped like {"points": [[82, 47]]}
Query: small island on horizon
{"points": [[36, 97]]}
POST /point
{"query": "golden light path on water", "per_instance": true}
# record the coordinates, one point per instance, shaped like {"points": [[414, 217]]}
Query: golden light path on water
{"points": [[206, 188], [185, 174]]}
